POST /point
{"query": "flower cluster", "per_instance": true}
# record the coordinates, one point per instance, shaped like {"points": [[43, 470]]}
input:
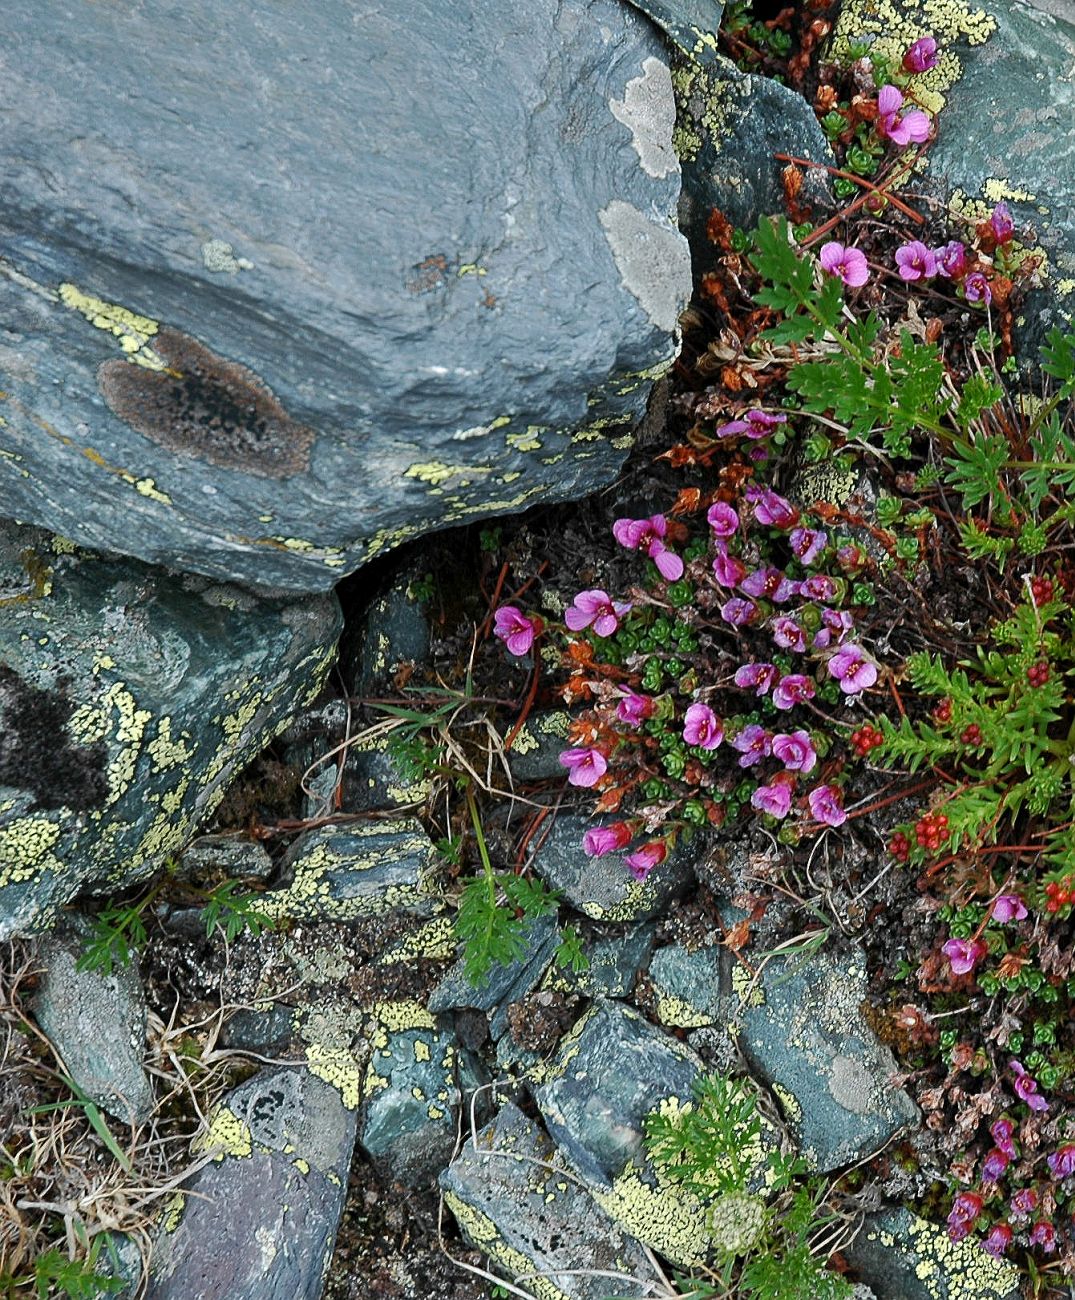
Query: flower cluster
{"points": [[954, 261]]}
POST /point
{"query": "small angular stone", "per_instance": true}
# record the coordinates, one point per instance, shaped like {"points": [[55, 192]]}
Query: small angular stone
{"points": [[688, 986]]}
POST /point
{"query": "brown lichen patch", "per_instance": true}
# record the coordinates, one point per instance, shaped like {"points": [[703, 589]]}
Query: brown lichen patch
{"points": [[204, 405]]}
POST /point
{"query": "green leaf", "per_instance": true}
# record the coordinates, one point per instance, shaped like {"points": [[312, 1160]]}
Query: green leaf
{"points": [[975, 468], [979, 394], [1058, 359]]}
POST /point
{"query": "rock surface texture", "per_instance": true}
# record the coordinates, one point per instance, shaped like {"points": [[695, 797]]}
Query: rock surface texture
{"points": [[288, 308], [1005, 89], [129, 697]]}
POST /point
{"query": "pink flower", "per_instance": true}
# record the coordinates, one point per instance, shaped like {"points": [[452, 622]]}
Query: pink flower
{"points": [[795, 751], [774, 799], [647, 535], [739, 612], [976, 288], [772, 509], [1023, 1203], [771, 583], [600, 840], [787, 634], [826, 805], [807, 544], [1008, 907], [1001, 221], [1062, 1161], [852, 559], [728, 570], [994, 1165], [964, 954], [760, 676], [597, 608], [1002, 1131], [1026, 1088], [998, 1240], [848, 263], [643, 860], [754, 744], [916, 261], [722, 519], [634, 709], [819, 586], [792, 689], [965, 1209], [913, 125], [585, 766], [951, 259], [756, 424], [921, 56], [701, 727], [852, 669], [835, 625], [516, 630], [1043, 1235]]}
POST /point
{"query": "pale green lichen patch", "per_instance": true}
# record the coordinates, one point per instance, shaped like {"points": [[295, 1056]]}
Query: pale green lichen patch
{"points": [[433, 939], [227, 1135], [131, 329]]}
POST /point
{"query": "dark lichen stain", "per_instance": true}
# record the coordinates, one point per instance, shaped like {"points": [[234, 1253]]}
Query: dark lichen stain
{"points": [[36, 753], [206, 406]]}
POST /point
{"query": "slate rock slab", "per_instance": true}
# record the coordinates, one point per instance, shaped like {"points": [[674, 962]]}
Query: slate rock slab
{"points": [[349, 873], [688, 986], [407, 1122], [603, 888], [803, 1031], [1005, 90], [514, 1198], [612, 1070], [904, 1257], [129, 698], [259, 1222], [535, 752], [96, 1022], [613, 965], [363, 313]]}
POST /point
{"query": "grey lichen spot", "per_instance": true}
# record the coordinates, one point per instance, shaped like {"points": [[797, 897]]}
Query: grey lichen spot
{"points": [[219, 257], [851, 1085], [653, 260], [206, 406], [648, 110]]}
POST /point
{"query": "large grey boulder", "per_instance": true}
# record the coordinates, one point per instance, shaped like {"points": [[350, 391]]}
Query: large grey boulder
{"points": [[129, 697], [1005, 91], [293, 284]]}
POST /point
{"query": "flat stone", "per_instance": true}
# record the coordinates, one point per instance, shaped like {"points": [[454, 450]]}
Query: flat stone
{"points": [[614, 964], [535, 752], [129, 698], [395, 631], [688, 986], [96, 1022], [348, 873], [259, 1222], [904, 1257], [803, 1031], [603, 888], [514, 1198], [272, 367], [1005, 90], [230, 855], [266, 1032], [407, 1123], [613, 1069]]}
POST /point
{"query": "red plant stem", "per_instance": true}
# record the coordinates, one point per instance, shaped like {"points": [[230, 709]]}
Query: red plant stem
{"points": [[502, 577], [868, 186], [528, 835], [528, 703]]}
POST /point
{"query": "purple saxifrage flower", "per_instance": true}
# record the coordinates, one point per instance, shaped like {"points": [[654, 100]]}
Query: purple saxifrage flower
{"points": [[964, 954], [755, 424], [795, 751], [951, 259], [915, 261], [739, 612], [595, 608], [1001, 221], [760, 676], [771, 509], [633, 708], [976, 288], [643, 860], [807, 544], [793, 689], [1008, 907], [774, 799], [701, 727], [770, 582], [585, 766], [753, 743], [819, 586], [1061, 1162], [787, 634], [998, 1240], [835, 625], [1002, 1131], [722, 518], [513, 628], [600, 840], [1026, 1088], [1023, 1203], [921, 56], [1043, 1235], [648, 535], [913, 125], [965, 1209], [728, 570], [826, 805], [848, 263], [994, 1165], [852, 669]]}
